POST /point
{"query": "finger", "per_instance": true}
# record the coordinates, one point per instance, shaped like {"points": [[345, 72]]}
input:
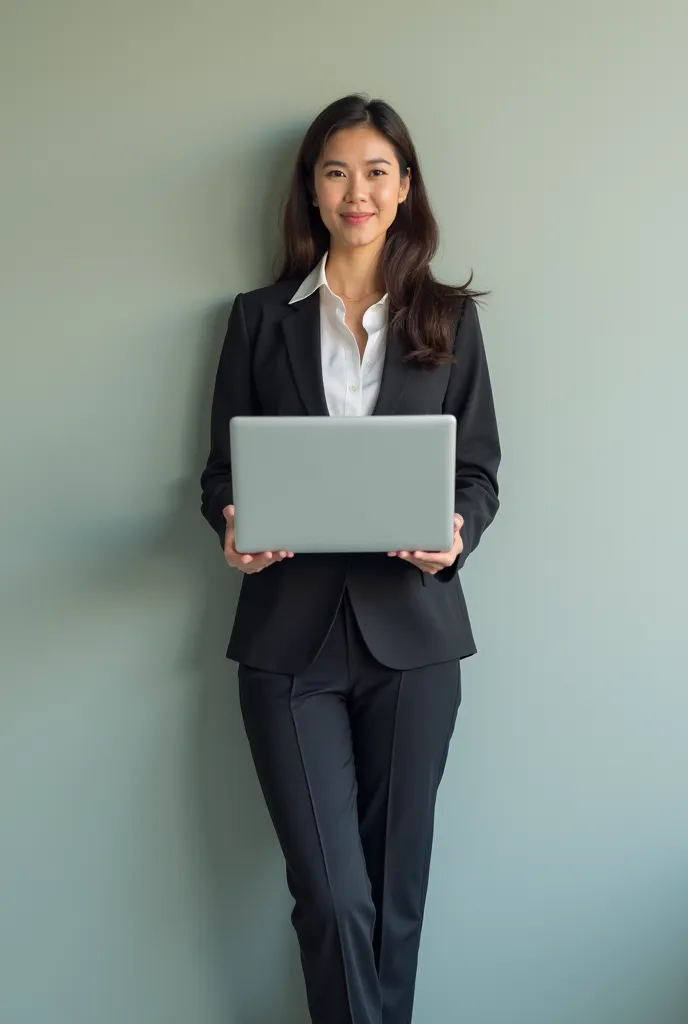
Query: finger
{"points": [[429, 561], [253, 568], [458, 520], [266, 557], [441, 558], [228, 512], [260, 561], [428, 567]]}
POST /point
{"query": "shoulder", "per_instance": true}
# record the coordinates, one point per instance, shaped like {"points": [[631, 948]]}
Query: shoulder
{"points": [[456, 303], [468, 337], [262, 305], [467, 314], [461, 309], [270, 296]]}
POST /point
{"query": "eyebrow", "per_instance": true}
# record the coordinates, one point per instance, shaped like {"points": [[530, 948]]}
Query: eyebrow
{"points": [[340, 163]]}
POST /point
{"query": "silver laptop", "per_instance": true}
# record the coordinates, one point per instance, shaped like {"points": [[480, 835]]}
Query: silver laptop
{"points": [[343, 484]]}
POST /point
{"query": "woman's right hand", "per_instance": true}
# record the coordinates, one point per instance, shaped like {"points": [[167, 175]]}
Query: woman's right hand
{"points": [[247, 563]]}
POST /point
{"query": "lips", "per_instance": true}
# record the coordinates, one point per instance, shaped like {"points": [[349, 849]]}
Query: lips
{"points": [[356, 218]]}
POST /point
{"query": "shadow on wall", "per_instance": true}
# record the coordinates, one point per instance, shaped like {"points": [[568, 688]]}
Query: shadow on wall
{"points": [[258, 969]]}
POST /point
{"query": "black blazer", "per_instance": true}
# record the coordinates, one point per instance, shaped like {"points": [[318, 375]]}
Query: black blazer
{"points": [[270, 365]]}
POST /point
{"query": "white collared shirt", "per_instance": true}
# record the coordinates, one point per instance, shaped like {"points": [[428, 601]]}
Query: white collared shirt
{"points": [[351, 384]]}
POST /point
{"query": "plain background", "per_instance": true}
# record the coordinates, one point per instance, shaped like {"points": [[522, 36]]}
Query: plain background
{"points": [[145, 147]]}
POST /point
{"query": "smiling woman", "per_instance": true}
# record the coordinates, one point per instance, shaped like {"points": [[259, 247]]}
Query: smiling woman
{"points": [[349, 670], [359, 189], [357, 160]]}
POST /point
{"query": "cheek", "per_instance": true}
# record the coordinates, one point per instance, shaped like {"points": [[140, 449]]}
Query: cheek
{"points": [[387, 199], [330, 198]]}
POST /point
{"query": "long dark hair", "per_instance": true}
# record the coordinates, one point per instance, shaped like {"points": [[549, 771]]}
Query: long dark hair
{"points": [[422, 309]]}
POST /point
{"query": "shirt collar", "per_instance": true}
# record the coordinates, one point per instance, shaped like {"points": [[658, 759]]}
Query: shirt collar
{"points": [[318, 279]]}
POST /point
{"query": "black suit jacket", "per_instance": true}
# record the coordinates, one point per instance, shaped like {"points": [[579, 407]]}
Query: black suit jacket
{"points": [[270, 365]]}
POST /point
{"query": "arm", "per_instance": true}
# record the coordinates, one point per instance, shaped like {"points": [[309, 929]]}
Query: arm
{"points": [[233, 396], [469, 399]]}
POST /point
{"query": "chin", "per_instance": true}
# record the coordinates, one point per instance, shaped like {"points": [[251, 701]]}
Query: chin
{"points": [[358, 238]]}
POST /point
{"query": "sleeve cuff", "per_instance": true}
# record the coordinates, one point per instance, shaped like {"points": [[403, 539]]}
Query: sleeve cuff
{"points": [[448, 574], [218, 521]]}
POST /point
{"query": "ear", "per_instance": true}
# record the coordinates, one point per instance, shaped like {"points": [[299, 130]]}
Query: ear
{"points": [[405, 186]]}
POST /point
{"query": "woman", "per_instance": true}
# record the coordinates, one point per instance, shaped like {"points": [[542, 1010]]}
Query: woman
{"points": [[349, 667]]}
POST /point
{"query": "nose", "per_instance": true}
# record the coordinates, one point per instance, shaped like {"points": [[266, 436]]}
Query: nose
{"points": [[358, 189]]}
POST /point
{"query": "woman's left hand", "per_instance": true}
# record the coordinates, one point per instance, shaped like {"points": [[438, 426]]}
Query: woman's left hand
{"points": [[434, 561]]}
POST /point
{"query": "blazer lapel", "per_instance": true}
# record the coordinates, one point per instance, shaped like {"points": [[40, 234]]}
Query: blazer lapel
{"points": [[301, 328], [302, 335], [395, 374]]}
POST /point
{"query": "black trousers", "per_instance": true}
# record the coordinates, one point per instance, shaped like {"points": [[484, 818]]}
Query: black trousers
{"points": [[349, 755]]}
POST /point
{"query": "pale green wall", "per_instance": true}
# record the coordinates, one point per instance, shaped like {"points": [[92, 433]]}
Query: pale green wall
{"points": [[143, 146]]}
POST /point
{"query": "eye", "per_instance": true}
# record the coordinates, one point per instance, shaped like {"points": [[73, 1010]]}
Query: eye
{"points": [[334, 172], [378, 171]]}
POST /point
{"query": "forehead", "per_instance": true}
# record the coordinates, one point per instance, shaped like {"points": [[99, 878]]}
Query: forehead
{"points": [[353, 145]]}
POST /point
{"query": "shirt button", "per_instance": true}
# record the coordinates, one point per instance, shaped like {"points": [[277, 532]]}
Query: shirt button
{"points": [[352, 389]]}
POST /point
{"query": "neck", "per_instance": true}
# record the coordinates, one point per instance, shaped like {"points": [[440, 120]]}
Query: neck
{"points": [[354, 272]]}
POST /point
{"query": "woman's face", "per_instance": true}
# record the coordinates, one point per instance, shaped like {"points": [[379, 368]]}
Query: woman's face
{"points": [[358, 187]]}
